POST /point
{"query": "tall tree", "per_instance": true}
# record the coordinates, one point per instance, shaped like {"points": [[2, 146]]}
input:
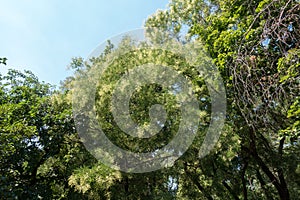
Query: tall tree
{"points": [[39, 147], [255, 45]]}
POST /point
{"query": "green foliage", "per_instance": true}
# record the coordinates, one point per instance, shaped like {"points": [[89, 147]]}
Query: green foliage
{"points": [[254, 44], [3, 61], [261, 72], [154, 185], [76, 63], [39, 147]]}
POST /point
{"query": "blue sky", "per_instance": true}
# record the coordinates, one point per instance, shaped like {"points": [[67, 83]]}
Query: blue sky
{"points": [[43, 35]]}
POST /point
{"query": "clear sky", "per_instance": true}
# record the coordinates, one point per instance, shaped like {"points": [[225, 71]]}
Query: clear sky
{"points": [[43, 35]]}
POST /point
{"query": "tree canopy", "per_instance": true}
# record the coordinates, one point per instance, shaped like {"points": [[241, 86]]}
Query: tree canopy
{"points": [[255, 46]]}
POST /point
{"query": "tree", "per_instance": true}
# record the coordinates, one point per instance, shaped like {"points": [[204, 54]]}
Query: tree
{"points": [[255, 45], [39, 147], [132, 186]]}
